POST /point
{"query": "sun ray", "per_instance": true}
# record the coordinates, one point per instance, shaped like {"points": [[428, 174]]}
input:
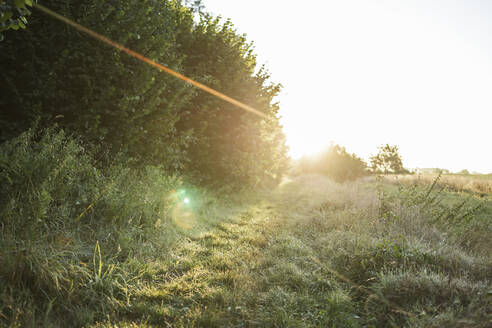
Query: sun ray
{"points": [[149, 61]]}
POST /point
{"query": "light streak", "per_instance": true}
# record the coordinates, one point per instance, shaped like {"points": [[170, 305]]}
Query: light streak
{"points": [[149, 61]]}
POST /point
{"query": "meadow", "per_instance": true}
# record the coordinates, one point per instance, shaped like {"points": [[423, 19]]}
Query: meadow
{"points": [[129, 198], [119, 249], [480, 184]]}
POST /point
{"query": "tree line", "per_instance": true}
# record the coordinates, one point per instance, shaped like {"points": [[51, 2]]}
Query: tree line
{"points": [[340, 165], [52, 74]]}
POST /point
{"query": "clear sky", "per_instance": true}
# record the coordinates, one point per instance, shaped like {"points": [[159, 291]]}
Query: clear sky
{"points": [[360, 73]]}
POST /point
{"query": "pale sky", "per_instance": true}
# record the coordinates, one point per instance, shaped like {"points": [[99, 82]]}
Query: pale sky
{"points": [[361, 73]]}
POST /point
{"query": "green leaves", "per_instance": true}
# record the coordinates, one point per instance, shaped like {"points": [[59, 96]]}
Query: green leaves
{"points": [[20, 3], [13, 14], [94, 90], [127, 107], [387, 160], [232, 147], [5, 16]]}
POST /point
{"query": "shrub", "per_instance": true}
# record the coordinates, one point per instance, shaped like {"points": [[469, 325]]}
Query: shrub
{"points": [[232, 147], [54, 73], [335, 163]]}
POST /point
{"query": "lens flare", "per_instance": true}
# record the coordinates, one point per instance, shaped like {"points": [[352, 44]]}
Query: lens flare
{"points": [[149, 61], [183, 217]]}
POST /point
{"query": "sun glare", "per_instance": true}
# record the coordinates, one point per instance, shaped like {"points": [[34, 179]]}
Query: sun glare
{"points": [[364, 73], [300, 145]]}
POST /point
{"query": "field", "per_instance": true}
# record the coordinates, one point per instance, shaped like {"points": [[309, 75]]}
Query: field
{"points": [[477, 183], [311, 253], [145, 181]]}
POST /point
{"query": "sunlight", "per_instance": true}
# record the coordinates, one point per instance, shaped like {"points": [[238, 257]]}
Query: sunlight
{"points": [[365, 73], [183, 217], [302, 146]]}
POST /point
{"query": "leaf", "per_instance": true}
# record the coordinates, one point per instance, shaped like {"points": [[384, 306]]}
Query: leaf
{"points": [[5, 16], [20, 3]]}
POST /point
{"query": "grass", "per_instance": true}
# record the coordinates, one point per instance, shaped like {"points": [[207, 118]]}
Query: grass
{"points": [[478, 184], [321, 258], [311, 253]]}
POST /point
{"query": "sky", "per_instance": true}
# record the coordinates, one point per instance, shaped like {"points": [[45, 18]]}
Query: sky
{"points": [[362, 73]]}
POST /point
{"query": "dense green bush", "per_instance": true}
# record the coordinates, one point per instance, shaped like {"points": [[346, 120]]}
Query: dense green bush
{"points": [[55, 73], [231, 145], [335, 163]]}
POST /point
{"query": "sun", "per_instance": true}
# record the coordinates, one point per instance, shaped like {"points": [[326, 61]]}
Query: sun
{"points": [[301, 145], [304, 138]]}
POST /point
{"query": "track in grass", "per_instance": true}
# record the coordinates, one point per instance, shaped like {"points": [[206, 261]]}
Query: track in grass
{"points": [[315, 254]]}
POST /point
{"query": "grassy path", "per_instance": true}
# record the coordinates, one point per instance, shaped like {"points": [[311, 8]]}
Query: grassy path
{"points": [[312, 255], [246, 271], [207, 279]]}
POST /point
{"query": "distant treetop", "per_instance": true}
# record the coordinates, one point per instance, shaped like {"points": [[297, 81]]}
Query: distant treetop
{"points": [[387, 160]]}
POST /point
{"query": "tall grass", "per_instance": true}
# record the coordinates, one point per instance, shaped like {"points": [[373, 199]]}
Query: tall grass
{"points": [[68, 230], [478, 184], [405, 256], [83, 246]]}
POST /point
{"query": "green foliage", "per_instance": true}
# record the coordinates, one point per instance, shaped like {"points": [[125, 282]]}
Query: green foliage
{"points": [[38, 173], [315, 253], [232, 146], [387, 160], [13, 14], [55, 73], [335, 163], [403, 270], [463, 216]]}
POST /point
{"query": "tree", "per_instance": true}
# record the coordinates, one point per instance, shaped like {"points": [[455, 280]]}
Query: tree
{"points": [[387, 160], [335, 163], [55, 74], [232, 146]]}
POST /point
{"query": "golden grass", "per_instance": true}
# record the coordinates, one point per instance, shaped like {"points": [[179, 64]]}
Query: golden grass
{"points": [[480, 184]]}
